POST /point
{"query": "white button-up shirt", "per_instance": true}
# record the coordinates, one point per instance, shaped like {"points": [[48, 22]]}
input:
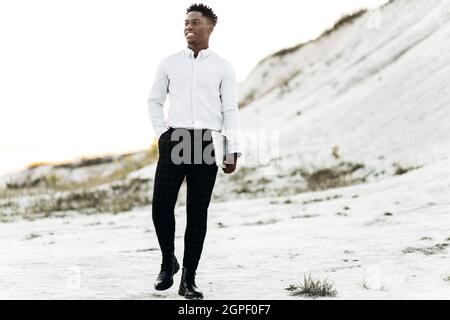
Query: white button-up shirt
{"points": [[202, 94]]}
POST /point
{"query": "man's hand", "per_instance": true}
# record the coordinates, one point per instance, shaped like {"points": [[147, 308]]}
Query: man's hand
{"points": [[230, 162]]}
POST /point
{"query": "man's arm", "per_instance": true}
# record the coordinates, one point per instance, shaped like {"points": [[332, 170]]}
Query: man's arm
{"points": [[156, 99], [231, 122]]}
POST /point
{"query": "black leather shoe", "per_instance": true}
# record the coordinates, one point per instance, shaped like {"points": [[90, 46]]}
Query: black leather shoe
{"points": [[165, 277], [188, 289]]}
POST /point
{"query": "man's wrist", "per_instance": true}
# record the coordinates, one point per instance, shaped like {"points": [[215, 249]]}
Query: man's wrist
{"points": [[231, 158]]}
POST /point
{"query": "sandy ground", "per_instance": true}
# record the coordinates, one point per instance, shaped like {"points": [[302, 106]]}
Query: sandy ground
{"points": [[254, 248]]}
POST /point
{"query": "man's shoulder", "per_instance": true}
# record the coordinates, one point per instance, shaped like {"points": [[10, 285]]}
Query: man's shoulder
{"points": [[224, 64], [172, 56], [221, 59]]}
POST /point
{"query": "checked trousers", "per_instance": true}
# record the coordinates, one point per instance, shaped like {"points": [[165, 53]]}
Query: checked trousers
{"points": [[200, 179]]}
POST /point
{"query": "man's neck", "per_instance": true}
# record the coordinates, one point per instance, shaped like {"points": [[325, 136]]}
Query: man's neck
{"points": [[197, 49]]}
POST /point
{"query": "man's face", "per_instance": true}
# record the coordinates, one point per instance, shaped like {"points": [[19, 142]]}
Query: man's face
{"points": [[197, 28]]}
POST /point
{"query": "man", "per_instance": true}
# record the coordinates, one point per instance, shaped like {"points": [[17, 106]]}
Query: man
{"points": [[203, 97]]}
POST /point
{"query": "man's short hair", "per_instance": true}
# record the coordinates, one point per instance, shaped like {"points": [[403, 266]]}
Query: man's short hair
{"points": [[205, 10]]}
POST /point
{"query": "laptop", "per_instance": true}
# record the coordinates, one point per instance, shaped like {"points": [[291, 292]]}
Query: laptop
{"points": [[220, 147]]}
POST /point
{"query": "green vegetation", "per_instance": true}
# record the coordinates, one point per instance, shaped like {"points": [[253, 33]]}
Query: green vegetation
{"points": [[312, 288]]}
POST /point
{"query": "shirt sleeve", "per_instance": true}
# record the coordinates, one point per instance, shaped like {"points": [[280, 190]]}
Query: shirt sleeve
{"points": [[156, 99], [230, 110]]}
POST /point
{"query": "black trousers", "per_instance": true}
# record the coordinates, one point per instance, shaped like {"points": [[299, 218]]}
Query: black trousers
{"points": [[200, 180]]}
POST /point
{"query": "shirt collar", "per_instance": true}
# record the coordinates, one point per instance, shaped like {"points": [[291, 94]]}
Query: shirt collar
{"points": [[202, 54]]}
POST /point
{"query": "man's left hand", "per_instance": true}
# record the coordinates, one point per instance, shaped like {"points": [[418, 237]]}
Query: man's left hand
{"points": [[230, 162]]}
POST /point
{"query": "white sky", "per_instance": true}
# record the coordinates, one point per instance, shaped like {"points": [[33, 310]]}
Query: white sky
{"points": [[75, 75]]}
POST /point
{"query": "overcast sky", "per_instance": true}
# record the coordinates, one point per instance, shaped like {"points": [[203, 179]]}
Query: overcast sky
{"points": [[75, 75]]}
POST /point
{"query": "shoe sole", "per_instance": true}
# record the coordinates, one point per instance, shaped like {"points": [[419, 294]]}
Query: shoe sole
{"points": [[181, 292], [171, 283]]}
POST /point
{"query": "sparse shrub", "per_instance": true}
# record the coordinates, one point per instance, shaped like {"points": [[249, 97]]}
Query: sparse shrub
{"points": [[264, 180], [312, 288], [335, 152], [52, 180], [436, 249], [36, 164], [285, 84], [86, 162], [399, 170], [345, 19], [286, 51], [242, 174], [244, 188], [334, 177], [120, 197], [304, 216], [260, 222], [364, 285], [248, 98], [32, 236]]}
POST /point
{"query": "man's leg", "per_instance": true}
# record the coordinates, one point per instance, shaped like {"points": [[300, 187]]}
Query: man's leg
{"points": [[200, 180], [168, 180]]}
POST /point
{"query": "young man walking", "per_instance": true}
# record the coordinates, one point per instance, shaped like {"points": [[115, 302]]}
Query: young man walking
{"points": [[203, 97]]}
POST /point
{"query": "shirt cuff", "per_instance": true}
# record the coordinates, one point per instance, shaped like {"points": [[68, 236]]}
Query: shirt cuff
{"points": [[235, 150]]}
